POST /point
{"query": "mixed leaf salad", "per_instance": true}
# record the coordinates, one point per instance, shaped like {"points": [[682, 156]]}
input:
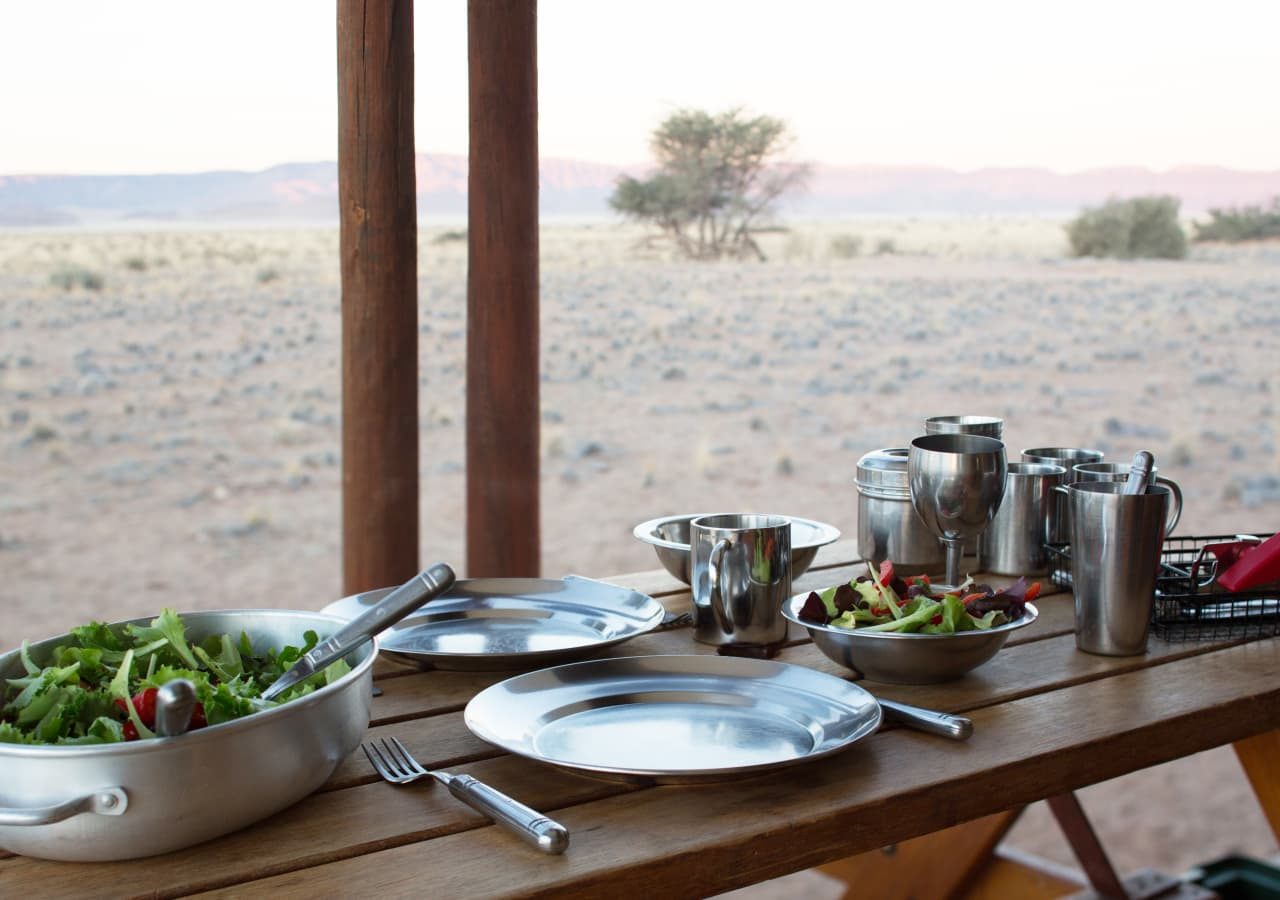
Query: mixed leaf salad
{"points": [[100, 686], [884, 601]]}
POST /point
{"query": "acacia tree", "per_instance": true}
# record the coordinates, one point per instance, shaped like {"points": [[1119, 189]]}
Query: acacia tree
{"points": [[717, 180]]}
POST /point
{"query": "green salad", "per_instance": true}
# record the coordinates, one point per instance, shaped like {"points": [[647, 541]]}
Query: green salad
{"points": [[885, 602], [100, 686]]}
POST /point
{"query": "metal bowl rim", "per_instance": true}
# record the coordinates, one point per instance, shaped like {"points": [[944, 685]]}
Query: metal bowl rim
{"points": [[647, 532], [210, 732]]}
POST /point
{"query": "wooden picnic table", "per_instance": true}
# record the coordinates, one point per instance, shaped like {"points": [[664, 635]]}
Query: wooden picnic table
{"points": [[1048, 719]]}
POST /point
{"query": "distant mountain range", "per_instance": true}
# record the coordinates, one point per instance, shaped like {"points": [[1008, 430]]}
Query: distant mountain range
{"points": [[308, 192]]}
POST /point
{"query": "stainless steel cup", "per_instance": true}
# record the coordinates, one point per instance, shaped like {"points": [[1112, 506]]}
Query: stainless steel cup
{"points": [[1116, 540], [1067, 457], [987, 426], [1013, 543], [1119, 472], [741, 576]]}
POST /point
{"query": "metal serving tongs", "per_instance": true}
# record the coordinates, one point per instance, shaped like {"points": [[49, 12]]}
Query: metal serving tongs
{"points": [[391, 609]]}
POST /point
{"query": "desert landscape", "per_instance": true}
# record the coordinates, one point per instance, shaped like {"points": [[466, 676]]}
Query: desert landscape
{"points": [[170, 412]]}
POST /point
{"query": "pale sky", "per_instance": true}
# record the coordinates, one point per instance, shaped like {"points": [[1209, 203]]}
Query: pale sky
{"points": [[91, 86]]}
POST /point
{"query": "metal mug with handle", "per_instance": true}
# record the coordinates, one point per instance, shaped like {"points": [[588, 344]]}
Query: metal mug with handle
{"points": [[741, 576], [1119, 472], [1014, 542], [1067, 457]]}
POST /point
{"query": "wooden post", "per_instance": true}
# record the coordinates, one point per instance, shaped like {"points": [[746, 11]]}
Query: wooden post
{"points": [[503, 524], [377, 194]]}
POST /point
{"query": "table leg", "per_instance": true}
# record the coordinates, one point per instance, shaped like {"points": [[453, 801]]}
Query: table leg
{"points": [[1084, 843], [942, 864], [1260, 758]]}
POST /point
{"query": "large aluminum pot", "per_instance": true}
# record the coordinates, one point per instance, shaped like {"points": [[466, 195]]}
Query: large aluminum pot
{"points": [[120, 801]]}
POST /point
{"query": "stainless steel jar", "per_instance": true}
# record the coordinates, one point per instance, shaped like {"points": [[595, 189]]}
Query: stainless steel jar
{"points": [[888, 527]]}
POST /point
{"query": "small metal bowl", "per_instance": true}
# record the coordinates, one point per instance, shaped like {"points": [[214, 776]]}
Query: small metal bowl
{"points": [[907, 658], [669, 536]]}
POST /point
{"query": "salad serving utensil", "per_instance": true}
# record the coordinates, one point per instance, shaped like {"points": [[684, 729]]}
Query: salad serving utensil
{"points": [[396, 764], [175, 704], [391, 609]]}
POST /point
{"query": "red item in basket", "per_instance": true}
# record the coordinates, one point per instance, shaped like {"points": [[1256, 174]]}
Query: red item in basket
{"points": [[1259, 565]]}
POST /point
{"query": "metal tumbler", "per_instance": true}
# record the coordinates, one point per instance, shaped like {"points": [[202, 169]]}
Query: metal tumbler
{"points": [[741, 576], [1116, 539], [1013, 543], [1067, 457]]}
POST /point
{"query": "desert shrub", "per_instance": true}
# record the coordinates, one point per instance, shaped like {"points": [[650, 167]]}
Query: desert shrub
{"points": [[68, 277], [846, 246], [269, 273], [450, 237], [1242, 223], [135, 264], [1139, 227], [886, 247]]}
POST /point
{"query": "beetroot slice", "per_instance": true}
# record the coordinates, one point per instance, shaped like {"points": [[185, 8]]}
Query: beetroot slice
{"points": [[814, 610], [846, 598]]}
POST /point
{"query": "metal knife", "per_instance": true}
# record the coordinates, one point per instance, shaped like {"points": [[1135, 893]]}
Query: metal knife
{"points": [[957, 728], [391, 609]]}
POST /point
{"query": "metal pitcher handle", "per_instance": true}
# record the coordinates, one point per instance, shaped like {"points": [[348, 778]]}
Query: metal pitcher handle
{"points": [[1175, 505]]}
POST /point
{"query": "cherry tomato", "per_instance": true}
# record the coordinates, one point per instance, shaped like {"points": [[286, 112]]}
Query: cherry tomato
{"points": [[130, 731], [145, 703], [969, 598], [197, 717], [937, 620], [1032, 592]]}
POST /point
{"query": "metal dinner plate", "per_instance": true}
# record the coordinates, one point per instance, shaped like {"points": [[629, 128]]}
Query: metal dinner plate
{"points": [[502, 624], [673, 719]]}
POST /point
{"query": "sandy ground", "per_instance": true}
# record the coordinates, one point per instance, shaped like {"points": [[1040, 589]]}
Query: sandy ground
{"points": [[172, 437]]}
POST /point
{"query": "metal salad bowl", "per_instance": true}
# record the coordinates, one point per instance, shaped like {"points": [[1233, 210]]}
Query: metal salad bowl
{"points": [[907, 658], [128, 800], [669, 536]]}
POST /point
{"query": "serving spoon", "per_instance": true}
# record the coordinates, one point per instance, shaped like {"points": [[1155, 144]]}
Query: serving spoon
{"points": [[419, 589]]}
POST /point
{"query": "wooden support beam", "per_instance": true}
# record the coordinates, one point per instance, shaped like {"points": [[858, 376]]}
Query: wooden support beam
{"points": [[1084, 843], [1260, 758], [503, 512], [378, 244], [944, 864]]}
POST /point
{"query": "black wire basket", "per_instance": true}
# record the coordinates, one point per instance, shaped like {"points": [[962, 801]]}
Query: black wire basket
{"points": [[1189, 604]]}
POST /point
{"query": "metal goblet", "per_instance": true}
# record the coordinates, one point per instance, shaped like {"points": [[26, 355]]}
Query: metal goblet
{"points": [[957, 483]]}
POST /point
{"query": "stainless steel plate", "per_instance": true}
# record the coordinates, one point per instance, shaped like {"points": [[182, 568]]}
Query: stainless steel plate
{"points": [[502, 624], [673, 719]]}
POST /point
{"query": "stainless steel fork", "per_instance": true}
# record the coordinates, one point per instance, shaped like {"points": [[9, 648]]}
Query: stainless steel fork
{"points": [[395, 764]]}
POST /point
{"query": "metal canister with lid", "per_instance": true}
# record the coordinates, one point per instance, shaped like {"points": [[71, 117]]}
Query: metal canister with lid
{"points": [[888, 527]]}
